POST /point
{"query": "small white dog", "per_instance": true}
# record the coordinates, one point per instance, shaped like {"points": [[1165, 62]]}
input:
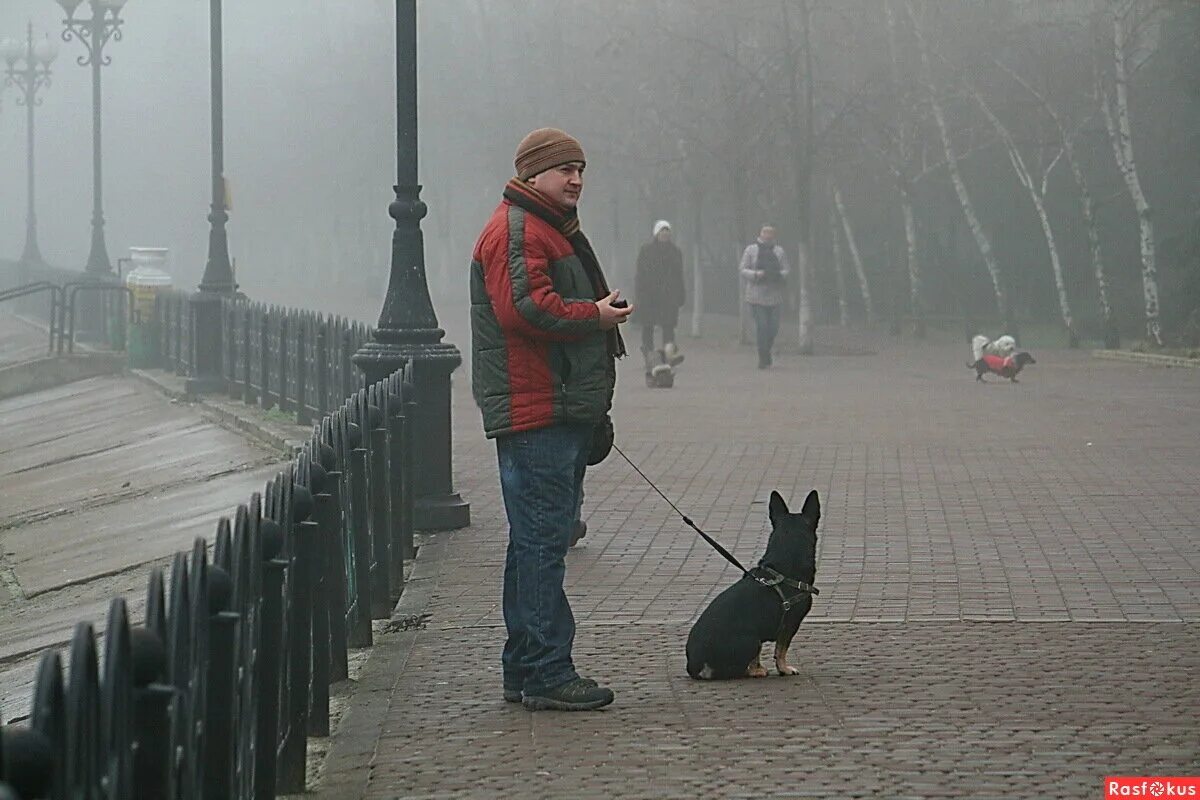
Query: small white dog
{"points": [[1002, 346]]}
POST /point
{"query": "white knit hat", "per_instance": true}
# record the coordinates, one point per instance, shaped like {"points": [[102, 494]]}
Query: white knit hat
{"points": [[660, 225]]}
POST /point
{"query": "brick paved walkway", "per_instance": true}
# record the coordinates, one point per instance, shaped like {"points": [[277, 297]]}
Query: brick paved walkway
{"points": [[1009, 599]]}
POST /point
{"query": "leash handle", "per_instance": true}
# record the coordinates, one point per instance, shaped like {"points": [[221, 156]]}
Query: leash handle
{"points": [[687, 520]]}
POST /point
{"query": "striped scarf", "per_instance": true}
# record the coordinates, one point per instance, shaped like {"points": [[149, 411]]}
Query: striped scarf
{"points": [[566, 222]]}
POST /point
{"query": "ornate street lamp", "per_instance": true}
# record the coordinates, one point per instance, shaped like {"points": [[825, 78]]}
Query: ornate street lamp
{"points": [[217, 281], [95, 33], [408, 327], [28, 70]]}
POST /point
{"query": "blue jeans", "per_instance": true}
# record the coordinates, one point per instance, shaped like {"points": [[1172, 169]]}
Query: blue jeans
{"points": [[541, 477], [766, 324]]}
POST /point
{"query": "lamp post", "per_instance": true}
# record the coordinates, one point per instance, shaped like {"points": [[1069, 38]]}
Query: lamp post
{"points": [[408, 327], [95, 33], [217, 281], [32, 75]]}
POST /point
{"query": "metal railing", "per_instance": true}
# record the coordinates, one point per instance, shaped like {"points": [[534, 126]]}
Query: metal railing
{"points": [[216, 693], [55, 313], [110, 317], [299, 362]]}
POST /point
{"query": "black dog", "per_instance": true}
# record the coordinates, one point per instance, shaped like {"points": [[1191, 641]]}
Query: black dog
{"points": [[766, 605], [1008, 367]]}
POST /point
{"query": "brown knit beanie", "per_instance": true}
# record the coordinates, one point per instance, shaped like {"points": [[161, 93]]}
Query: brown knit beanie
{"points": [[545, 149]]}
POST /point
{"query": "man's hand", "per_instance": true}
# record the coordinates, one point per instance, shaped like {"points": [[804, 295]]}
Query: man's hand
{"points": [[610, 315], [760, 274]]}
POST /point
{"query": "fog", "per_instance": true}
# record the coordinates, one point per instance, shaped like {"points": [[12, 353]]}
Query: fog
{"points": [[718, 116]]}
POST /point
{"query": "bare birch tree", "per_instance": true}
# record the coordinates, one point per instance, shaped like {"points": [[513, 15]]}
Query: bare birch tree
{"points": [[1112, 335], [839, 271], [899, 161], [852, 245], [1036, 187], [803, 148], [1116, 119], [982, 240]]}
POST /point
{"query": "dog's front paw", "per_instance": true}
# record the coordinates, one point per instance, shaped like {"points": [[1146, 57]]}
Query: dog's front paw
{"points": [[786, 670], [756, 671]]}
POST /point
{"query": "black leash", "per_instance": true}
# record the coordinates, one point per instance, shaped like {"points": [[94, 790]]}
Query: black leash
{"points": [[772, 579], [688, 520]]}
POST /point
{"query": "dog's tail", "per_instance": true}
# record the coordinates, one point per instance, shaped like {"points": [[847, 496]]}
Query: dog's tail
{"points": [[979, 343]]}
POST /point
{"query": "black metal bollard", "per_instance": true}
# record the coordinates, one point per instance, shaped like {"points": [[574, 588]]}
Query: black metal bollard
{"points": [[360, 531], [179, 659], [247, 593], [328, 514], [270, 660], [116, 704], [409, 482], [151, 716], [49, 716], [312, 476], [198, 570], [26, 762], [297, 502], [83, 765], [382, 601], [220, 734]]}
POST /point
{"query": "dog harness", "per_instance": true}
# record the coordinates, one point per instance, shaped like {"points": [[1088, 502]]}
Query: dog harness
{"points": [[767, 576], [774, 579]]}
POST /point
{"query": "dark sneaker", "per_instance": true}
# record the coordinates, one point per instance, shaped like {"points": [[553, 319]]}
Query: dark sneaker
{"points": [[578, 694], [514, 695], [579, 533]]}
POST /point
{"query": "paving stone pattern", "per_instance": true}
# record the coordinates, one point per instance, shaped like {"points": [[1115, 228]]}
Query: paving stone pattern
{"points": [[1009, 592]]}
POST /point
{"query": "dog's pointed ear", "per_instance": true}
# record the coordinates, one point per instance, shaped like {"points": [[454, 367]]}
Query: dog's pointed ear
{"points": [[777, 508], [812, 507]]}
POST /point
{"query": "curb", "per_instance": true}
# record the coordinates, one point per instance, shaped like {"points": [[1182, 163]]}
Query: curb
{"points": [[274, 435], [1150, 359], [355, 742], [40, 374]]}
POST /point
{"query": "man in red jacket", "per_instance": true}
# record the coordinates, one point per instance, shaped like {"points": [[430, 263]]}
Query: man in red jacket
{"points": [[544, 343]]}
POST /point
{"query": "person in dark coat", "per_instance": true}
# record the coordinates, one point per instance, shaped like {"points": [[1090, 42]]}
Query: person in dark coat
{"points": [[659, 292]]}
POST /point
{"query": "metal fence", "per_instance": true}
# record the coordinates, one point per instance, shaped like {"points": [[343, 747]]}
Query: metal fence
{"points": [[215, 694], [61, 298], [299, 362]]}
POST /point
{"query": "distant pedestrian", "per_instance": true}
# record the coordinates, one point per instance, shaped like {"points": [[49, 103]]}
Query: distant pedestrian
{"points": [[544, 343], [764, 265], [659, 292]]}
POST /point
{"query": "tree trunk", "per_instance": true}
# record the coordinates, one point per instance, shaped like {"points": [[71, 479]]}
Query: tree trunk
{"points": [[743, 312], [697, 277], [914, 274], [1019, 166], [852, 245], [802, 160], [1119, 132], [1112, 334], [838, 269], [805, 337], [960, 188], [903, 183]]}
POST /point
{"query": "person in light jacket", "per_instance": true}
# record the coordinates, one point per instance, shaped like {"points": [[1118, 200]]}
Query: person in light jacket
{"points": [[765, 268]]}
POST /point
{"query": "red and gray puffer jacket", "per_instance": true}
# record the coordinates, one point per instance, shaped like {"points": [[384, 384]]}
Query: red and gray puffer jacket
{"points": [[539, 357]]}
